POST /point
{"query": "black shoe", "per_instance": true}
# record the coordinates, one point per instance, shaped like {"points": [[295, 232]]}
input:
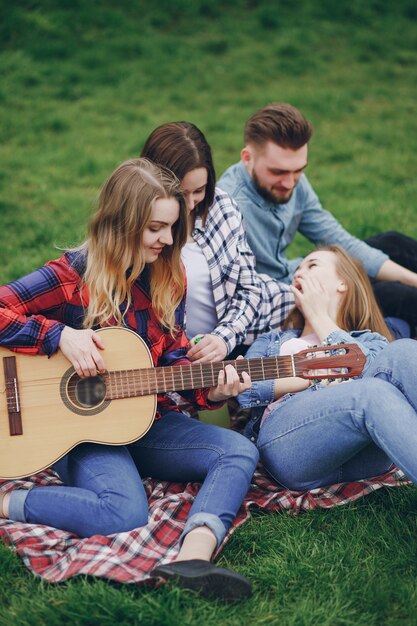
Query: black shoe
{"points": [[210, 581]]}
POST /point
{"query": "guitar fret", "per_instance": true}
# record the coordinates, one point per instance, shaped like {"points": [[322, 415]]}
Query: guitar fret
{"points": [[185, 376], [160, 380], [153, 374], [156, 380], [119, 385], [142, 382], [172, 372], [196, 375]]}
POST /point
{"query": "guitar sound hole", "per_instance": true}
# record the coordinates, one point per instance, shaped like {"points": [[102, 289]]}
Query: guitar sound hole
{"points": [[90, 392]]}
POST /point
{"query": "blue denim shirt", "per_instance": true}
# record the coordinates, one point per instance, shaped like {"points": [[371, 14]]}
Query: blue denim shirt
{"points": [[261, 393], [271, 227]]}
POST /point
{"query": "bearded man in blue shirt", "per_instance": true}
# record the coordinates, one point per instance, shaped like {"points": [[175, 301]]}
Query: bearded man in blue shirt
{"points": [[277, 200]]}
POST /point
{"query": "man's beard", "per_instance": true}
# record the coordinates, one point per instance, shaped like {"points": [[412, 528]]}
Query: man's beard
{"points": [[268, 195]]}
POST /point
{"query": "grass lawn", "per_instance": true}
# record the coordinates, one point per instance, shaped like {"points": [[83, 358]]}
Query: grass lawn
{"points": [[83, 84]]}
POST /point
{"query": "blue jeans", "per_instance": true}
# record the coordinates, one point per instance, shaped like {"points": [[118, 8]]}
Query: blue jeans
{"points": [[347, 431], [104, 494]]}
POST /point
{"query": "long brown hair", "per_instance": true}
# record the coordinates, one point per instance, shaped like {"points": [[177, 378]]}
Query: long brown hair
{"points": [[115, 258], [358, 309], [182, 147]]}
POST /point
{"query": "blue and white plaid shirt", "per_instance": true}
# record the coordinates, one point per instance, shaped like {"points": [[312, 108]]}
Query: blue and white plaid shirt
{"points": [[247, 303]]}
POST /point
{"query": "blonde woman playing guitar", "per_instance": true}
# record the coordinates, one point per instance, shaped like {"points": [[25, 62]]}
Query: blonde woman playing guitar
{"points": [[127, 273]]}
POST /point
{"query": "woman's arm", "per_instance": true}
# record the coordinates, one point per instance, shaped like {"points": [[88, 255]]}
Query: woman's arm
{"points": [[391, 271], [25, 303], [289, 385], [262, 391]]}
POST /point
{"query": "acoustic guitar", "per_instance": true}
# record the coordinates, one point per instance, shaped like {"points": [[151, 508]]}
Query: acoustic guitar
{"points": [[46, 408]]}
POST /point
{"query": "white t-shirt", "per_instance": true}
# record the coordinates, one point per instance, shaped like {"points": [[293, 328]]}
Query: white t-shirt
{"points": [[201, 316]]}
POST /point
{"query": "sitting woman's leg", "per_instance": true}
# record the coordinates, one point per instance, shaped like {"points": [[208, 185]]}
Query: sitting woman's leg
{"points": [[178, 448], [182, 449], [102, 494], [347, 432], [397, 365]]}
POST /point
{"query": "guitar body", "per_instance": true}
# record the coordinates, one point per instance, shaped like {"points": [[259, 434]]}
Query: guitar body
{"points": [[52, 424]]}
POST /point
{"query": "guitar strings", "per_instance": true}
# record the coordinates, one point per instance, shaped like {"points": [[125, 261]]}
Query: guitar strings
{"points": [[135, 386]]}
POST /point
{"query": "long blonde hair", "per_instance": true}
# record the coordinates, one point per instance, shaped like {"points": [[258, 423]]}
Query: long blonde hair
{"points": [[115, 258], [358, 309]]}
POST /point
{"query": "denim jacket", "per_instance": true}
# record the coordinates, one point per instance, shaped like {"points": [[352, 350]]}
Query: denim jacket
{"points": [[261, 393]]}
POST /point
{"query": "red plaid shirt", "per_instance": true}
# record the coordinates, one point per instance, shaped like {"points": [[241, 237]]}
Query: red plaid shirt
{"points": [[35, 309]]}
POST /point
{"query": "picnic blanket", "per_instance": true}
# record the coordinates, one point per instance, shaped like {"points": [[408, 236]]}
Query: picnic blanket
{"points": [[56, 555]]}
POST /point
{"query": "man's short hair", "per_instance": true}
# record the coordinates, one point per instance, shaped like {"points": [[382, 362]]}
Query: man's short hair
{"points": [[280, 123]]}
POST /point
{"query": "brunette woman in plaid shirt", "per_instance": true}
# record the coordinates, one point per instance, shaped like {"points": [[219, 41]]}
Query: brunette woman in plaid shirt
{"points": [[228, 302], [128, 273]]}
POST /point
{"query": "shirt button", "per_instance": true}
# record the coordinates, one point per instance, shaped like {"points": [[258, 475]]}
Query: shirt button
{"points": [[252, 438], [258, 402]]}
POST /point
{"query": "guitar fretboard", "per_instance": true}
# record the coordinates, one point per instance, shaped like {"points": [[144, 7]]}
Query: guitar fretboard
{"points": [[143, 382]]}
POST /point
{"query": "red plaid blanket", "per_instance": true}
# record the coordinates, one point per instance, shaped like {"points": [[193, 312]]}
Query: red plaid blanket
{"points": [[129, 557]]}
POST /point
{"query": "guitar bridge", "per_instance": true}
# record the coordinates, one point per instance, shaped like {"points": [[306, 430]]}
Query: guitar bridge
{"points": [[12, 395]]}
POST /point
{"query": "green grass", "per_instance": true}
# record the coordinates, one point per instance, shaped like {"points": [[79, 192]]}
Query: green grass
{"points": [[350, 566], [83, 84]]}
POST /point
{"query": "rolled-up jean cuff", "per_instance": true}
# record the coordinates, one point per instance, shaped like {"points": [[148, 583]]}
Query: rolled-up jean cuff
{"points": [[205, 519], [17, 505]]}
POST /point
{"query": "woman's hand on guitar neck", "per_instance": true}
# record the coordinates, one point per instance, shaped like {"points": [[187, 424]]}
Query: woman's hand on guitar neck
{"points": [[81, 347], [229, 384]]}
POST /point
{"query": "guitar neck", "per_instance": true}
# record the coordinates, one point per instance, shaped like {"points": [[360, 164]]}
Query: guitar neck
{"points": [[310, 363], [158, 380]]}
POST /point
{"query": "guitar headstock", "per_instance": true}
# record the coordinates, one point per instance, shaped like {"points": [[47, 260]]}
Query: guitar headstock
{"points": [[342, 360]]}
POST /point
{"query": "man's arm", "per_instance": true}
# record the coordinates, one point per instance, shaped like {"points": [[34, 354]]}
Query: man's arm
{"points": [[391, 271]]}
